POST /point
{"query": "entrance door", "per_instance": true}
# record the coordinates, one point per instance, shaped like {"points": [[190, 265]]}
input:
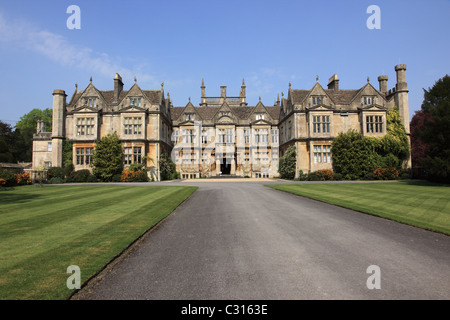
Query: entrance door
{"points": [[225, 166]]}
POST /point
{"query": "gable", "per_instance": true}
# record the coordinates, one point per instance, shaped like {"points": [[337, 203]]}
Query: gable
{"points": [[368, 90], [225, 114], [89, 93]]}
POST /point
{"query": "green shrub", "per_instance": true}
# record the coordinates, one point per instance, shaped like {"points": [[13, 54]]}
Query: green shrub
{"points": [[68, 169], [338, 177], [302, 176], [9, 177], [92, 178], [312, 176], [167, 168], [350, 176], [287, 163], [116, 178], [79, 176], [56, 180], [369, 176], [55, 172]]}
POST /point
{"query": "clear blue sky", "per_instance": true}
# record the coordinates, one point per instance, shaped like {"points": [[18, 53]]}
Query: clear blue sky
{"points": [[270, 43]]}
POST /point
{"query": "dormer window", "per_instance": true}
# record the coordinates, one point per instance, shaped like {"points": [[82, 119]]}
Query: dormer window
{"points": [[260, 116], [368, 100], [189, 116], [317, 100], [225, 113], [91, 102], [135, 102]]}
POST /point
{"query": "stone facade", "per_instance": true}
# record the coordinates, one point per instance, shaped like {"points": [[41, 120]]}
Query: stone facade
{"points": [[223, 135]]}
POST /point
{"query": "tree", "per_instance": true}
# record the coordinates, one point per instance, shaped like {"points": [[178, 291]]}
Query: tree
{"points": [[26, 127], [435, 132], [167, 169], [354, 155], [108, 157], [6, 143], [419, 148], [288, 163], [357, 156]]}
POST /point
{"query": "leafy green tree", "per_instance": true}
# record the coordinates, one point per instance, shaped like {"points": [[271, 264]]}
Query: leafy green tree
{"points": [[6, 143], [108, 157], [167, 169], [67, 153], [354, 154], [419, 149], [436, 129], [288, 163], [357, 156], [26, 127]]}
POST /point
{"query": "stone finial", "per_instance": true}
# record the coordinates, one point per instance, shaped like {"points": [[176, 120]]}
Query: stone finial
{"points": [[135, 80], [90, 80], [189, 99], [162, 84], [317, 78], [282, 94], [259, 98], [290, 84], [368, 79], [76, 86], [243, 82]]}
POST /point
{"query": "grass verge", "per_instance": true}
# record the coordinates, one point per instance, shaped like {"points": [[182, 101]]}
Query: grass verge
{"points": [[420, 204], [45, 230]]}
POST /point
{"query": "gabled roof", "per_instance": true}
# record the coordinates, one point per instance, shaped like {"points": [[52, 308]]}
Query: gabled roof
{"points": [[242, 113], [154, 96]]}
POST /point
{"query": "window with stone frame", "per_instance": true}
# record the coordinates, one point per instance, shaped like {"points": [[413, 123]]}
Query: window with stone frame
{"points": [[204, 136], [84, 156], [260, 116], [188, 136], [229, 136], [90, 102], [132, 125], [246, 136], [321, 124], [274, 134], [135, 102], [175, 135], [137, 154], [261, 136], [374, 124], [317, 100], [85, 126], [322, 153], [189, 117], [368, 100], [127, 155]]}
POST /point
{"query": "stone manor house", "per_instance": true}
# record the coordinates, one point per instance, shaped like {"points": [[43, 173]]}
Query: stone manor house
{"points": [[221, 136]]}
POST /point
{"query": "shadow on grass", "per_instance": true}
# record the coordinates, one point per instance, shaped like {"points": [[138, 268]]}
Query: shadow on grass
{"points": [[426, 183], [7, 197]]}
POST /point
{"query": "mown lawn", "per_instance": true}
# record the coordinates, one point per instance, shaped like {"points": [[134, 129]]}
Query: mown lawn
{"points": [[421, 204], [43, 230]]}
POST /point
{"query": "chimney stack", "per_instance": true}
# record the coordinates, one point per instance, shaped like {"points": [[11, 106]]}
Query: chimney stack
{"points": [[333, 83], [383, 82], [118, 87], [223, 91]]}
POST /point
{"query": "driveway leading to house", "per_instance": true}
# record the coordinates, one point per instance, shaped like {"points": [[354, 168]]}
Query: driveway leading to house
{"points": [[245, 241]]}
